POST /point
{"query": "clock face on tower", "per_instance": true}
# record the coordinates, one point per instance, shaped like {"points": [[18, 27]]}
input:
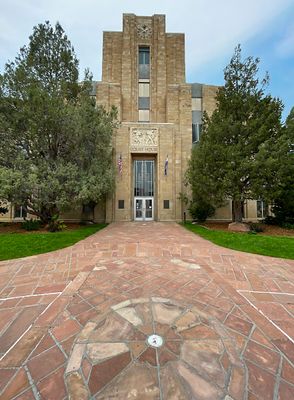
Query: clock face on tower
{"points": [[144, 31]]}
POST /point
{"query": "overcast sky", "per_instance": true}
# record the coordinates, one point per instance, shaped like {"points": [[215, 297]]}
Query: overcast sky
{"points": [[264, 28]]}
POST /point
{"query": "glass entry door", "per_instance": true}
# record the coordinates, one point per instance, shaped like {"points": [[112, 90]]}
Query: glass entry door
{"points": [[143, 174], [143, 209]]}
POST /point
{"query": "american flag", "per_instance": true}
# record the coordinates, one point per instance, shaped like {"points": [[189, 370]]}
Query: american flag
{"points": [[120, 164], [166, 165]]}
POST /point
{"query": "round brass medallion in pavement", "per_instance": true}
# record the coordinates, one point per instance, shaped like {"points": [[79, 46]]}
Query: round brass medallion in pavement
{"points": [[155, 348]]}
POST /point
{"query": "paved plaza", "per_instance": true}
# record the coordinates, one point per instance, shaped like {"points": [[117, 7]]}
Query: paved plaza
{"points": [[147, 311]]}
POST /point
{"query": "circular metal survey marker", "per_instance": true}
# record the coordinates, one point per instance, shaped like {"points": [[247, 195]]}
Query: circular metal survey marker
{"points": [[155, 341]]}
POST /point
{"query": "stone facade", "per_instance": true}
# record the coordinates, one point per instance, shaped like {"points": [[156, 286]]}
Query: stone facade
{"points": [[170, 113], [160, 115]]}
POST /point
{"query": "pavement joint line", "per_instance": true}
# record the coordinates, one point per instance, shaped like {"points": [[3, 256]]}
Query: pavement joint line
{"points": [[33, 386], [50, 304], [272, 322], [247, 340], [256, 291], [278, 378], [231, 313], [29, 295], [70, 264], [21, 336], [150, 302], [15, 343], [58, 344]]}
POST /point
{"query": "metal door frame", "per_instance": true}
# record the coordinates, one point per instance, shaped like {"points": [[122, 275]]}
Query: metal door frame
{"points": [[144, 199]]}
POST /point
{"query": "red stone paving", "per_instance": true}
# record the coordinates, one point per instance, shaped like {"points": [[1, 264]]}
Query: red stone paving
{"points": [[226, 319]]}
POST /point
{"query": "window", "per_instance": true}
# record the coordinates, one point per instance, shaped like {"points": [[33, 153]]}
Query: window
{"points": [[261, 209], [144, 116], [144, 103], [166, 204], [143, 178], [144, 99], [144, 84], [196, 132], [144, 55], [121, 204], [144, 62], [19, 212], [196, 104], [144, 90]]}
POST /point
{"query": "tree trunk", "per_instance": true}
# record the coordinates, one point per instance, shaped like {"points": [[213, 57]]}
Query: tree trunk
{"points": [[46, 214], [237, 210]]}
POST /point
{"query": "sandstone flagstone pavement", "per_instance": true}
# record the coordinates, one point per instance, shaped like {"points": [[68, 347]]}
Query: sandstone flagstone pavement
{"points": [[75, 323]]}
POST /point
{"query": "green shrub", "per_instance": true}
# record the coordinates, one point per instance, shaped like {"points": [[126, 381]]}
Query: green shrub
{"points": [[270, 220], [31, 225], [256, 227], [56, 224], [276, 221], [201, 210], [287, 225]]}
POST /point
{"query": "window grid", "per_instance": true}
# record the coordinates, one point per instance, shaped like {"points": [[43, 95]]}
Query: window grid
{"points": [[143, 178], [144, 87]]}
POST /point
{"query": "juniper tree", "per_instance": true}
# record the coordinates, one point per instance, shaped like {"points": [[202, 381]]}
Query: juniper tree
{"points": [[55, 143], [224, 163], [279, 157]]}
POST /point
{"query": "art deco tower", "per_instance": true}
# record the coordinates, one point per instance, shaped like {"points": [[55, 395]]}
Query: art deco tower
{"points": [[144, 77]]}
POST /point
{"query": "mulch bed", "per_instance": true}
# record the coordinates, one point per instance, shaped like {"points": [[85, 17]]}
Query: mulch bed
{"points": [[271, 230], [15, 227]]}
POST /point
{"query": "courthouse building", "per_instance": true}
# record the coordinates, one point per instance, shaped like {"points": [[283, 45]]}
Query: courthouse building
{"points": [[143, 76]]}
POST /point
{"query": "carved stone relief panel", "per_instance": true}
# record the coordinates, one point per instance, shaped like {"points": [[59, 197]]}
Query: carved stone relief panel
{"points": [[143, 140]]}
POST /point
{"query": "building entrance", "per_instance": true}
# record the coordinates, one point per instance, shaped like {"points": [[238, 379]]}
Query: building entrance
{"points": [[144, 209], [143, 190]]}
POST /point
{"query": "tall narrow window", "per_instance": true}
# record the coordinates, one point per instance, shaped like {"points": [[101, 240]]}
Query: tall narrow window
{"points": [[144, 62], [144, 96], [261, 209], [196, 132], [144, 84], [196, 90]]}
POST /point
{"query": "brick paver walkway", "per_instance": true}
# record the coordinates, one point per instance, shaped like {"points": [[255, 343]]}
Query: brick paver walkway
{"points": [[75, 323]]}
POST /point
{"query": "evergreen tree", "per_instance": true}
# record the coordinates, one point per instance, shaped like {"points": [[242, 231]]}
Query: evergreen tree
{"points": [[224, 163], [55, 144], [282, 196]]}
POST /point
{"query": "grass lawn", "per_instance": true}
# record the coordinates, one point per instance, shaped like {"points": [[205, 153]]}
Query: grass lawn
{"points": [[275, 246], [16, 245]]}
